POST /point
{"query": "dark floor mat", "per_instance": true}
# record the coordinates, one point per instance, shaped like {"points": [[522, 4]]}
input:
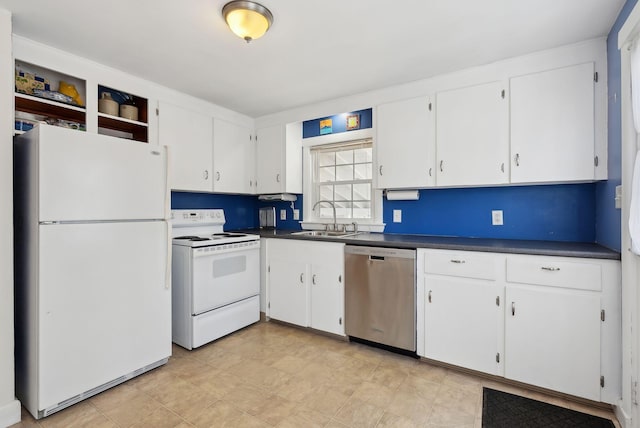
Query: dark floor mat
{"points": [[501, 409]]}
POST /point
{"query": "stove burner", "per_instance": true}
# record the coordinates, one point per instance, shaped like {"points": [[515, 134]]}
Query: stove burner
{"points": [[192, 238]]}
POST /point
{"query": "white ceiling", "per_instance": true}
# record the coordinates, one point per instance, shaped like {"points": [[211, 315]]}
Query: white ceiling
{"points": [[316, 50]]}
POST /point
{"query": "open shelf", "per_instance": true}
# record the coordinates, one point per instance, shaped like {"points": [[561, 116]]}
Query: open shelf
{"points": [[49, 108], [138, 130], [33, 77]]}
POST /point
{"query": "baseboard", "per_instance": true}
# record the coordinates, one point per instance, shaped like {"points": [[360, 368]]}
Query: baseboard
{"points": [[623, 417], [10, 413]]}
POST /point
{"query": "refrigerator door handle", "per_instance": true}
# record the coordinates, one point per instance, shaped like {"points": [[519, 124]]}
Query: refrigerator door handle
{"points": [[167, 268], [167, 216], [167, 196]]}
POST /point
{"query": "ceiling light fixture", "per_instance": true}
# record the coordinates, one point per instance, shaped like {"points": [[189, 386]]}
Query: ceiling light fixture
{"points": [[247, 19]]}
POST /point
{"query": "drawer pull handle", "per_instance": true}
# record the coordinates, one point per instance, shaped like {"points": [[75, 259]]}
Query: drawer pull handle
{"points": [[313, 279], [550, 268], [457, 261], [513, 309], [301, 278], [429, 296]]}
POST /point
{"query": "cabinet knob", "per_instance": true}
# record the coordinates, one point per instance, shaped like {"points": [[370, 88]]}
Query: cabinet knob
{"points": [[206, 174]]}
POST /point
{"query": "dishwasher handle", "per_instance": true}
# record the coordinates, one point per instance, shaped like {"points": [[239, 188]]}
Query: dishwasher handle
{"points": [[373, 258]]}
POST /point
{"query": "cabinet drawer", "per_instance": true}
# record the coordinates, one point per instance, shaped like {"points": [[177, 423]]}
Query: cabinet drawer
{"points": [[555, 272], [461, 263]]}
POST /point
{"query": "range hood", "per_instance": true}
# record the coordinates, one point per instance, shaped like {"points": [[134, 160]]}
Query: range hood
{"points": [[278, 197]]}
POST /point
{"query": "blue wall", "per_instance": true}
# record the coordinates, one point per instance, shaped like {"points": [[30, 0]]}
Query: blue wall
{"points": [[241, 211], [311, 128], [553, 213], [608, 221], [289, 223]]}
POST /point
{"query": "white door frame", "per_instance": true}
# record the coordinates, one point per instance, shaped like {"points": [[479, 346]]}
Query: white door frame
{"points": [[628, 411]]}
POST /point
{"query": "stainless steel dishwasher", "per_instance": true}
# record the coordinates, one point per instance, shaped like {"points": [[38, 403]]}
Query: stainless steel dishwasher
{"points": [[380, 295]]}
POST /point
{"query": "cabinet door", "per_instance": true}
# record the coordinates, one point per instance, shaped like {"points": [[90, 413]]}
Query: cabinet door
{"points": [[327, 289], [189, 135], [552, 339], [472, 135], [232, 158], [552, 125], [269, 159], [405, 144], [463, 319], [288, 291]]}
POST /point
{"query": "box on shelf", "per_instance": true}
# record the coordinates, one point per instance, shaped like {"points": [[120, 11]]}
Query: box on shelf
{"points": [[27, 82]]}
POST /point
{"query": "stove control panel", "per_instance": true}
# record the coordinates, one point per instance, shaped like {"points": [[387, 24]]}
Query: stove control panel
{"points": [[179, 217]]}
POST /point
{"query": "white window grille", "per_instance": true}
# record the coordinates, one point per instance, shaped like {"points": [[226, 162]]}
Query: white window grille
{"points": [[342, 174]]}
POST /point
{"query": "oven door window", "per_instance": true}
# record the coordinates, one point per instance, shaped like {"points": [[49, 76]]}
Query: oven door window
{"points": [[221, 279]]}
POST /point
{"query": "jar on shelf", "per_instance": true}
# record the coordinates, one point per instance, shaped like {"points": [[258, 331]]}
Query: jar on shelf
{"points": [[107, 105], [129, 110]]}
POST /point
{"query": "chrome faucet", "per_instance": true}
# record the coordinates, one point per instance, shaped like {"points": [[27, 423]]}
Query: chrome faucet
{"points": [[335, 223]]}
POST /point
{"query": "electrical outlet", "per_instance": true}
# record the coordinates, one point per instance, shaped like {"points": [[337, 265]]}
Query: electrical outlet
{"points": [[283, 214], [397, 216], [618, 197], [296, 214], [496, 218]]}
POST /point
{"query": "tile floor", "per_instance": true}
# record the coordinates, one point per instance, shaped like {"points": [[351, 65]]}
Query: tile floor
{"points": [[274, 375]]}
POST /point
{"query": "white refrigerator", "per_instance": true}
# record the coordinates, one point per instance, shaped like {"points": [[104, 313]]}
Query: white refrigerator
{"points": [[92, 264]]}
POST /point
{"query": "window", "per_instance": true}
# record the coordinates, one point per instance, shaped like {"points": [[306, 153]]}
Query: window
{"points": [[342, 174]]}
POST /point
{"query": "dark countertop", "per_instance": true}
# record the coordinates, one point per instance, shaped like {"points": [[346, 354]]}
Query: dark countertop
{"points": [[544, 248]]}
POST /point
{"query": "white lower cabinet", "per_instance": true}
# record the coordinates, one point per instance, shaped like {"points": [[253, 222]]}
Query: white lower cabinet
{"points": [[552, 339], [465, 291], [552, 322], [305, 283], [288, 291]]}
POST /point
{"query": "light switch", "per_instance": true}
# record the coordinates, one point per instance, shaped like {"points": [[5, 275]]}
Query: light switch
{"points": [[283, 214], [296, 214], [397, 216], [496, 218]]}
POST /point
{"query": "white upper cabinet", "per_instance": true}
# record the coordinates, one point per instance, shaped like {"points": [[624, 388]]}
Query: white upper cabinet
{"points": [[472, 135], [279, 159], [233, 158], [552, 125], [405, 144], [189, 137]]}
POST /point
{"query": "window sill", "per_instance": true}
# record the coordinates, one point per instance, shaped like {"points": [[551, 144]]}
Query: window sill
{"points": [[362, 227]]}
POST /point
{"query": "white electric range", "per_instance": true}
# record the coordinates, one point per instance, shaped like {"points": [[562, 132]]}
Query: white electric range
{"points": [[215, 278]]}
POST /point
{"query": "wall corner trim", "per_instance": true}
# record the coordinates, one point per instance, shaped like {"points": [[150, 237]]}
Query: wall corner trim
{"points": [[10, 413]]}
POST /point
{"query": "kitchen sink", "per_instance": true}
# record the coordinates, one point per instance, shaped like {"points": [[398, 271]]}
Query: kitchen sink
{"points": [[325, 233]]}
